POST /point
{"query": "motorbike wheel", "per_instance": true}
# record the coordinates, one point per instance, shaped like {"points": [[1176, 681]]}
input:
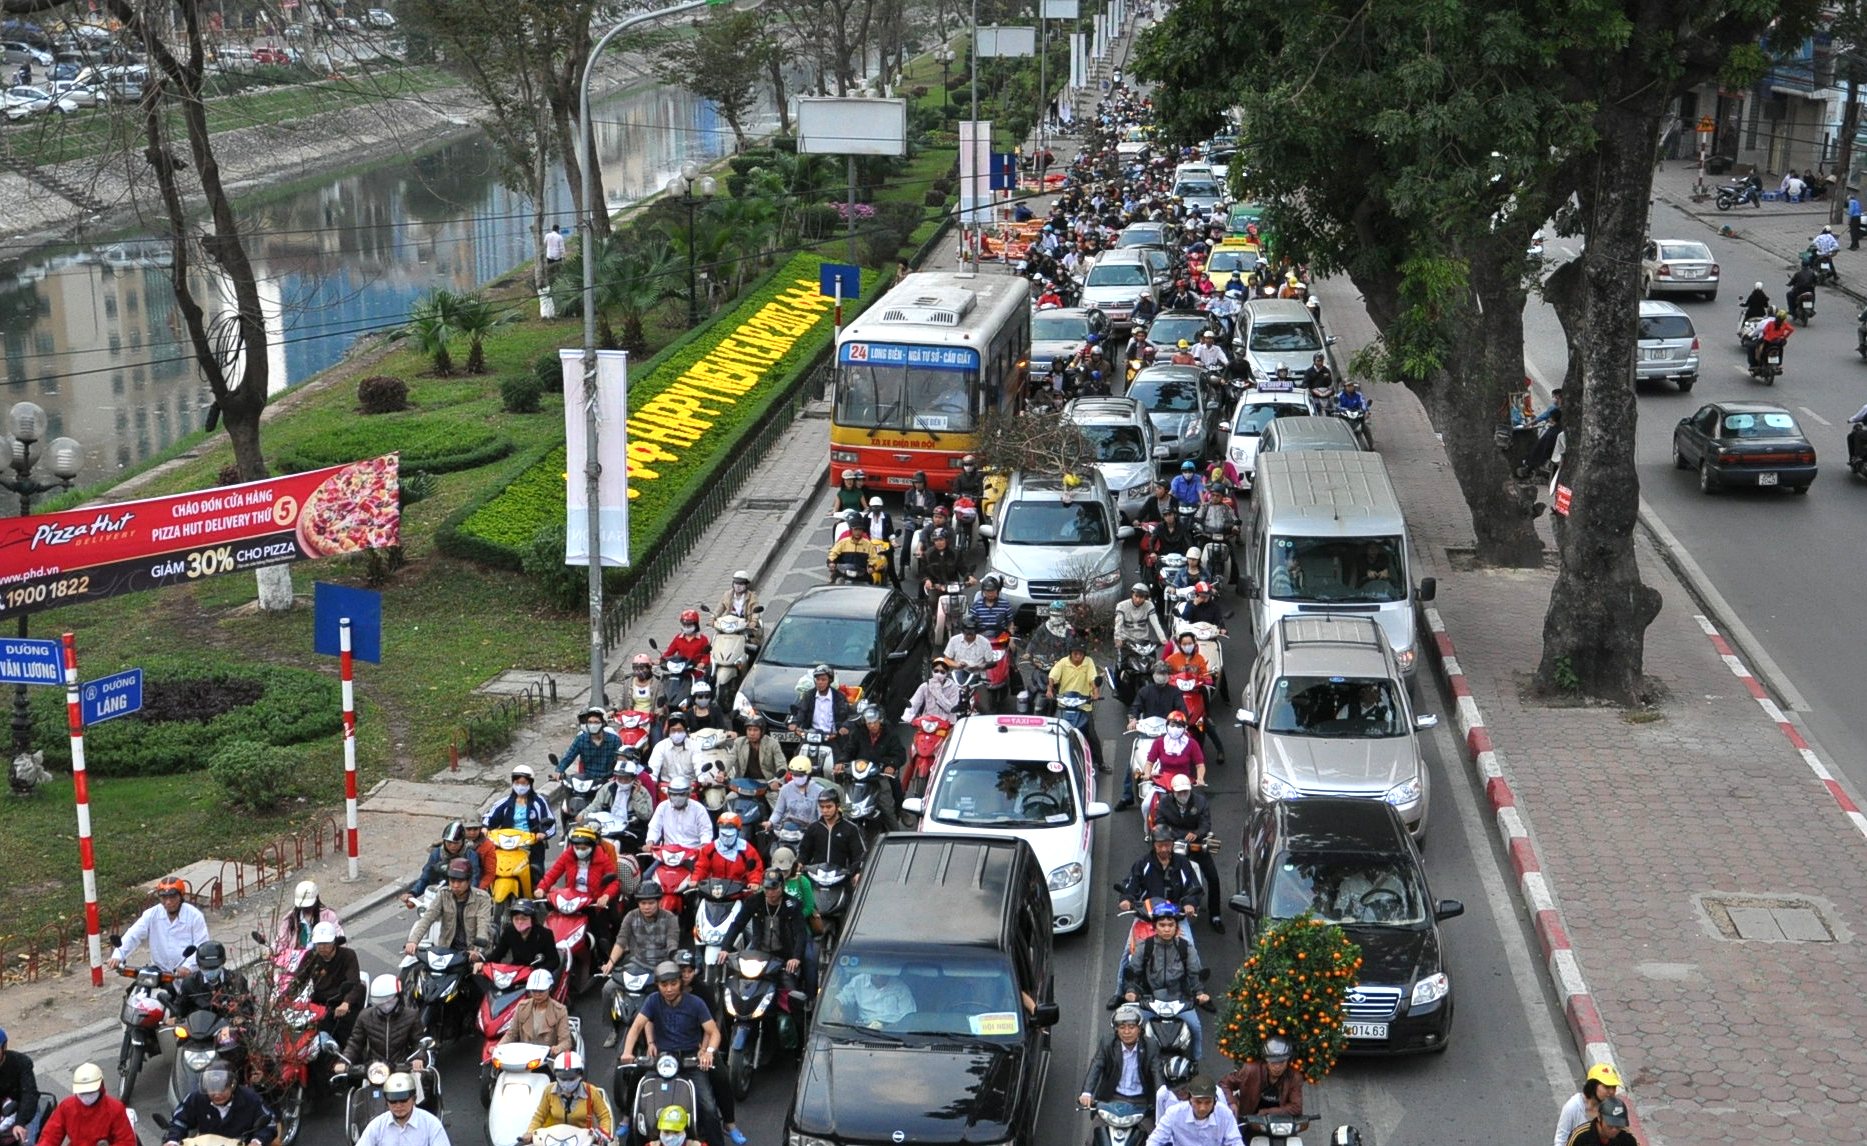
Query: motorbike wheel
{"points": [[1724, 203], [739, 1073], [127, 1071], [291, 1110]]}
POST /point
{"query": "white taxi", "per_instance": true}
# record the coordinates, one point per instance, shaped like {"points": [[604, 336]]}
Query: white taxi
{"points": [[1028, 776], [1256, 409]]}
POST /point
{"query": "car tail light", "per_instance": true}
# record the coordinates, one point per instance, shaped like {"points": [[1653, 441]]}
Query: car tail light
{"points": [[1714, 270], [1695, 346], [1664, 272], [1806, 457]]}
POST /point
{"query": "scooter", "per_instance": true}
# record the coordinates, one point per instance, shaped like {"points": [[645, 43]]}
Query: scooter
{"points": [[1275, 1129], [815, 747], [721, 902], [731, 650], [635, 981], [576, 793], [1362, 425], [761, 1025], [520, 1074], [1146, 792], [436, 980], [365, 1099], [713, 754], [952, 602], [1860, 334], [502, 985], [745, 798], [1137, 664], [863, 790], [200, 1038], [569, 921], [286, 1075], [1164, 1024], [673, 872], [512, 869], [1769, 363], [1822, 265], [1803, 309], [635, 726], [930, 731], [831, 885], [1116, 1123], [1073, 709], [1207, 634], [145, 1006], [665, 1082]]}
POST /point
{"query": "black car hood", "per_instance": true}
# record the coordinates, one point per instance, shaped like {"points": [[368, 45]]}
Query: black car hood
{"points": [[1395, 956], [870, 1092], [772, 689]]}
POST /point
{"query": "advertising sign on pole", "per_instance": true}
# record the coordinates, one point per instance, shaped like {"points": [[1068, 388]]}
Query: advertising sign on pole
{"points": [[975, 165], [1062, 9], [612, 454], [851, 125], [84, 554], [1004, 43]]}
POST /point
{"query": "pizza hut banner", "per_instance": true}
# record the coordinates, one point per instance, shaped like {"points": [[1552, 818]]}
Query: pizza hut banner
{"points": [[52, 559]]}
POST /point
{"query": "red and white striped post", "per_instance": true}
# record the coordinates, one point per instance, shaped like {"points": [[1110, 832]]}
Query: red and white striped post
{"points": [[81, 789], [350, 743]]}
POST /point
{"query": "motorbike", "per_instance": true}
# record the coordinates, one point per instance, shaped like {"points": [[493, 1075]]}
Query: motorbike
{"points": [[665, 1082], [1146, 731], [1116, 1123], [1822, 265], [965, 522], [164, 1121], [1769, 363], [713, 755], [1073, 709], [1802, 308], [815, 747], [365, 1082], [1163, 1023], [678, 676], [512, 869], [1273, 1129], [952, 602], [435, 979], [862, 569], [1857, 461], [634, 981], [930, 731], [634, 727], [1737, 194], [721, 903], [745, 798], [831, 885], [576, 793], [287, 1069], [673, 872], [1361, 422], [145, 1005], [520, 1074], [1207, 634], [569, 921], [1136, 664], [200, 1038], [502, 985], [732, 650], [863, 790], [760, 1025]]}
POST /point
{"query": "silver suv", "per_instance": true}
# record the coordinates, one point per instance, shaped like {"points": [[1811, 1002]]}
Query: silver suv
{"points": [[1668, 345], [1053, 541], [1126, 451], [1326, 713], [1116, 283]]}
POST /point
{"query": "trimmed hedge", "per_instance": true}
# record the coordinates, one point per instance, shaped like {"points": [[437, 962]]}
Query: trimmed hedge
{"points": [[501, 529], [438, 443], [293, 706]]}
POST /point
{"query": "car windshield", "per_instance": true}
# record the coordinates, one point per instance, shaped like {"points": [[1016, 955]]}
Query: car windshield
{"points": [[1117, 274], [1255, 418], [905, 398], [1003, 794], [1350, 708], [1059, 328], [1140, 237], [1197, 191], [1116, 443], [1166, 396], [1169, 329], [1337, 569], [1284, 336], [949, 997], [1052, 523], [1760, 426], [1365, 890], [1665, 326], [1691, 251], [843, 642], [1227, 261]]}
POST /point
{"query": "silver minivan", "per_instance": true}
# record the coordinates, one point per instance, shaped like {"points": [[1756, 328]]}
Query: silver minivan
{"points": [[1056, 540], [1312, 433], [1668, 345], [1116, 282], [1326, 536]]}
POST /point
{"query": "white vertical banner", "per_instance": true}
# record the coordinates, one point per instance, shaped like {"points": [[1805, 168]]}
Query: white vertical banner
{"points": [[1101, 45], [612, 453], [1079, 59], [975, 172]]}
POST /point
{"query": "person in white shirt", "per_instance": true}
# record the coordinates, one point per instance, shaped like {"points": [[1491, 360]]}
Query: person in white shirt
{"points": [[1602, 1082], [554, 245], [1202, 1120], [1209, 354], [968, 649], [404, 1123], [673, 758], [680, 820], [170, 928]]}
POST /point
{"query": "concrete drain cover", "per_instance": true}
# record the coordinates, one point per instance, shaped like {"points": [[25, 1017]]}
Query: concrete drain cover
{"points": [[1767, 919], [767, 504]]}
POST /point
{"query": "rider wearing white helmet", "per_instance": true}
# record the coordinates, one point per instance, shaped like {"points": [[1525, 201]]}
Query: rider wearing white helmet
{"points": [[539, 1018]]}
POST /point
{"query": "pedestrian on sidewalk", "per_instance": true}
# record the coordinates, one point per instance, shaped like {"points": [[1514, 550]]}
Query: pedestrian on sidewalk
{"points": [[1854, 219]]}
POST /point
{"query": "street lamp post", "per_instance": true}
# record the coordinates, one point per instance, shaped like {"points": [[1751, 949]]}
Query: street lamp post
{"points": [[684, 185], [592, 470], [27, 426], [946, 56]]}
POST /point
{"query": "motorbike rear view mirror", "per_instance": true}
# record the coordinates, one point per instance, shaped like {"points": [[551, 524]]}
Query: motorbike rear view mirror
{"points": [[1242, 904], [115, 939], [553, 757], [1046, 1015], [1448, 909], [1429, 588], [758, 608], [257, 937]]}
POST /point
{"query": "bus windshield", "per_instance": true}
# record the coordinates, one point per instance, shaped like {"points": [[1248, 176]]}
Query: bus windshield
{"points": [[906, 398]]}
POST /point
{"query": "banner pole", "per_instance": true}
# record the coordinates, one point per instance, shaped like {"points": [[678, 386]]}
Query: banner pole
{"points": [[350, 743], [81, 790]]}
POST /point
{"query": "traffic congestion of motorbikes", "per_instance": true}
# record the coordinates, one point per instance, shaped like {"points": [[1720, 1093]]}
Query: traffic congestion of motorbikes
{"points": [[709, 847]]}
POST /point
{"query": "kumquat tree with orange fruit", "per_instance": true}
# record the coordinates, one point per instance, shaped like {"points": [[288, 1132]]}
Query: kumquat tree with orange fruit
{"points": [[1294, 984]]}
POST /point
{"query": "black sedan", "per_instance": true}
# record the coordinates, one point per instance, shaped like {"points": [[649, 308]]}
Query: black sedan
{"points": [[874, 637], [1744, 444], [1170, 327], [1349, 861]]}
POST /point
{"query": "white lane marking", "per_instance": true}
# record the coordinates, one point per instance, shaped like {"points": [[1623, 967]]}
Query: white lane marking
{"points": [[1704, 623], [1813, 414], [1568, 972]]}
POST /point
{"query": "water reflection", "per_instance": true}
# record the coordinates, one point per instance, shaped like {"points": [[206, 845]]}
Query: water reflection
{"points": [[92, 334]]}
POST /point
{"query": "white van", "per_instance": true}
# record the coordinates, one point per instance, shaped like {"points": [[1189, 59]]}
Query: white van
{"points": [[1326, 536]]}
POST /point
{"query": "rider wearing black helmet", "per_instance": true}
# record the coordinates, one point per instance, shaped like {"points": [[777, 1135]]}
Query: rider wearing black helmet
{"points": [[214, 986]]}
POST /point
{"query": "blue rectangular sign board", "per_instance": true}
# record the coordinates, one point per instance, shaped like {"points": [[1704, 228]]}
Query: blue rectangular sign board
{"points": [[110, 697], [1004, 171], [331, 604], [25, 661], [849, 274]]}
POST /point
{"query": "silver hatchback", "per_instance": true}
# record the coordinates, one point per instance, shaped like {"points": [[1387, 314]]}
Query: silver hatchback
{"points": [[1668, 346]]}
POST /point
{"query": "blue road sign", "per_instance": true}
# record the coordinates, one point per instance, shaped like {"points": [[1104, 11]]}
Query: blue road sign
{"points": [[110, 697], [31, 662], [849, 274], [333, 603], [1004, 171]]}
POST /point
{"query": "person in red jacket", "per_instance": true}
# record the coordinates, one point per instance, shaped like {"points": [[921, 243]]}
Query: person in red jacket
{"points": [[692, 644], [729, 856], [587, 866], [89, 1116]]}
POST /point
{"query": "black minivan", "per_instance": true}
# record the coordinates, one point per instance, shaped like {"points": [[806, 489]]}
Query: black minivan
{"points": [[934, 1022], [1349, 861]]}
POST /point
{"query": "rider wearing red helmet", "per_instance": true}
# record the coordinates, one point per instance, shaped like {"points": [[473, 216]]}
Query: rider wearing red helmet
{"points": [[692, 644], [729, 856]]}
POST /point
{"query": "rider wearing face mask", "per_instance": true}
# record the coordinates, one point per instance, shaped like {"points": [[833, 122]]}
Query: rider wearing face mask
{"points": [[89, 1116], [643, 691], [680, 819], [673, 757], [214, 986], [389, 1030], [594, 748], [729, 856], [524, 941], [527, 811], [571, 1101], [588, 868], [704, 711], [692, 645], [1188, 814]]}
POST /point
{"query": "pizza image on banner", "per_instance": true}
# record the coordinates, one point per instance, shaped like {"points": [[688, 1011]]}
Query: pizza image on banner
{"points": [[53, 559]]}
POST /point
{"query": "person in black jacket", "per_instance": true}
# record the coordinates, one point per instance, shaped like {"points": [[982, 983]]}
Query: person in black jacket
{"points": [[1166, 966], [773, 923], [1161, 876], [871, 739], [832, 839], [1189, 815], [825, 694], [213, 986], [525, 940], [18, 1083], [336, 982], [1126, 1067], [220, 1107]]}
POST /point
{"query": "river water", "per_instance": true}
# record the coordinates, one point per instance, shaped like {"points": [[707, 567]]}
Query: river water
{"points": [[92, 334]]}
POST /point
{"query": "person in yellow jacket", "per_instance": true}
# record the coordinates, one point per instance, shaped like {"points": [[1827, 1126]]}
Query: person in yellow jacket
{"points": [[572, 1102]]}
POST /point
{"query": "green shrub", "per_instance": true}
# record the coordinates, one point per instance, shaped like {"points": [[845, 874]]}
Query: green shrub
{"points": [[381, 394], [519, 394], [934, 198], [190, 708], [254, 776], [550, 373], [736, 185], [437, 443], [819, 221], [509, 521], [565, 586]]}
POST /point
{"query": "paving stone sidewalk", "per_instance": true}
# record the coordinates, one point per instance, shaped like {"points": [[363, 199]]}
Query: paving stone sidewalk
{"points": [[1661, 832]]}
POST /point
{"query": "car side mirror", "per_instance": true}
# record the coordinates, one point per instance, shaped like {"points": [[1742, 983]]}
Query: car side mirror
{"points": [[914, 806], [1226, 425], [1160, 453], [1096, 810], [1425, 721], [1248, 718], [1242, 904], [1124, 532], [987, 529], [1250, 587], [1448, 909], [1429, 588], [1046, 1015], [1328, 340]]}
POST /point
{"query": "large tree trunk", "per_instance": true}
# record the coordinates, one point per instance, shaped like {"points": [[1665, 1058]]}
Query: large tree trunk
{"points": [[1594, 634], [775, 63], [1844, 161], [540, 186]]}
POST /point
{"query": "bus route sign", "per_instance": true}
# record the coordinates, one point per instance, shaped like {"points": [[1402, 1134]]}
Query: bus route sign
{"points": [[924, 357]]}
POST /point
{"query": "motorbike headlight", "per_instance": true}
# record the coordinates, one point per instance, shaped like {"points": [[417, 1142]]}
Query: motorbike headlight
{"points": [[1406, 792], [1067, 876], [198, 1060], [1123, 1121], [667, 1066], [378, 1073], [1276, 789], [1105, 580], [1431, 989], [1006, 579], [1406, 658]]}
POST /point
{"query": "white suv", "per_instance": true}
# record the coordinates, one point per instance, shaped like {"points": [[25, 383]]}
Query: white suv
{"points": [[1027, 776], [1122, 436], [1056, 542]]}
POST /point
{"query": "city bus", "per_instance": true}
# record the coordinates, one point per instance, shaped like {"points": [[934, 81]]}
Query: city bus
{"points": [[920, 368]]}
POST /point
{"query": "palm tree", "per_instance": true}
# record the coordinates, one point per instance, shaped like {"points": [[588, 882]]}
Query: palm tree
{"points": [[750, 221], [632, 278], [433, 321], [473, 317]]}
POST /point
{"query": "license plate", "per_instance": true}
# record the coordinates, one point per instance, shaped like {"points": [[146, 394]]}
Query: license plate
{"points": [[1766, 479], [1692, 273], [1365, 1030], [1660, 355]]}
